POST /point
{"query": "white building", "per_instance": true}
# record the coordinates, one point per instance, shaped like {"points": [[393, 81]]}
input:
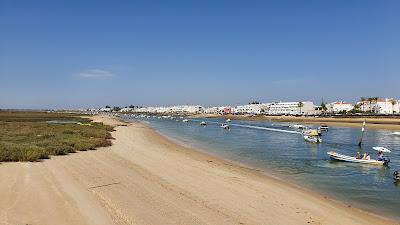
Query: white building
{"points": [[186, 109], [252, 108], [387, 106], [218, 110], [180, 109], [381, 106], [341, 106], [292, 108], [105, 110]]}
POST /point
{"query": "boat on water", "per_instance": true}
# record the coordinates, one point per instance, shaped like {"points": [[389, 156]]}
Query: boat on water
{"points": [[312, 139], [298, 126], [312, 136], [381, 161], [203, 123], [396, 133], [225, 126], [323, 127], [228, 120], [185, 120]]}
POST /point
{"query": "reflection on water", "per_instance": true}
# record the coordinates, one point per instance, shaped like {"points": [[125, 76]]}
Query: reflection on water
{"points": [[290, 157]]}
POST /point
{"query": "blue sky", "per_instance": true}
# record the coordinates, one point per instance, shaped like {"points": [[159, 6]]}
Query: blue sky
{"points": [[68, 54]]}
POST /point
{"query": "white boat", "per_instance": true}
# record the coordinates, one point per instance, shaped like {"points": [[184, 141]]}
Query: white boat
{"points": [[323, 127], [203, 123], [185, 120], [312, 138], [396, 133], [381, 149], [225, 126], [228, 120], [298, 126], [340, 157]]}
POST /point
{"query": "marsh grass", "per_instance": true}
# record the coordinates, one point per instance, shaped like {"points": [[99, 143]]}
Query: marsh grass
{"points": [[26, 136]]}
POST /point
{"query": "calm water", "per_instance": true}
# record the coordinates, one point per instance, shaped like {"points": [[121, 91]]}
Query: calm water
{"points": [[288, 156]]}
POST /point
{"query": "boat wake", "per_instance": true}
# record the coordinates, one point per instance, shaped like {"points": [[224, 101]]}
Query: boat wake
{"points": [[255, 127]]}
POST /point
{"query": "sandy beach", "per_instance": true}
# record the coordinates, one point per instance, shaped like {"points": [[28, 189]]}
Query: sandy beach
{"points": [[145, 178], [373, 123]]}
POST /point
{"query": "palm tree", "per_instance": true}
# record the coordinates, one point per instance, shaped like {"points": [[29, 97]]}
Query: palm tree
{"points": [[323, 106], [300, 105], [393, 101], [375, 99], [362, 100], [370, 99]]}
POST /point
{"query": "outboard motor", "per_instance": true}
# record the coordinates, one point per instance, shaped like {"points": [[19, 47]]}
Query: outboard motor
{"points": [[396, 176], [386, 161]]}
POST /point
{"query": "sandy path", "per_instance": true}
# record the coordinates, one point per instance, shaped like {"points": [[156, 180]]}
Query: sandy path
{"points": [[146, 179]]}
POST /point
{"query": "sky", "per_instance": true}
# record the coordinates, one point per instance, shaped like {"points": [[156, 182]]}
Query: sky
{"points": [[81, 54]]}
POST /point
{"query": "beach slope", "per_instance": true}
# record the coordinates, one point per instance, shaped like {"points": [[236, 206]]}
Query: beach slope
{"points": [[144, 178]]}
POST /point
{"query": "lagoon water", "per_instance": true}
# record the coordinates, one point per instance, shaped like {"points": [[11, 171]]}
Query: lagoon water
{"points": [[288, 156]]}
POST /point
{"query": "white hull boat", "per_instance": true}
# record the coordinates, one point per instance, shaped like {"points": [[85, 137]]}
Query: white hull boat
{"points": [[298, 126], [396, 133], [185, 120], [340, 157], [203, 123], [225, 126], [313, 139]]}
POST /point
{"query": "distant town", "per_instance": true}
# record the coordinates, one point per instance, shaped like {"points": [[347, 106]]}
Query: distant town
{"points": [[372, 105]]}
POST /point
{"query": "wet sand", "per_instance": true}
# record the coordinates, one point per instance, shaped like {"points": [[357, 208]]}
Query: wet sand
{"points": [[144, 178]]}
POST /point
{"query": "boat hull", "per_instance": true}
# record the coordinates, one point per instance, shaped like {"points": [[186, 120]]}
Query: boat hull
{"points": [[340, 157], [312, 139]]}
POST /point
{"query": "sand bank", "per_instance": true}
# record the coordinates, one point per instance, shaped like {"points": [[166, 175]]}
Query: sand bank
{"points": [[145, 178]]}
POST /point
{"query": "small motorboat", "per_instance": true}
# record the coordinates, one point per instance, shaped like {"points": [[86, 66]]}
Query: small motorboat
{"points": [[323, 127], [185, 120], [312, 138], [380, 162], [203, 123], [228, 120], [298, 126], [225, 126], [396, 133]]}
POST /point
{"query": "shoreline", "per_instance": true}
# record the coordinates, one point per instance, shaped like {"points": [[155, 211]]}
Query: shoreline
{"points": [[373, 123], [269, 174], [145, 178], [201, 153]]}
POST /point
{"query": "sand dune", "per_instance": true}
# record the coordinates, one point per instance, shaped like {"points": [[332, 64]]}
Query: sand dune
{"points": [[145, 178]]}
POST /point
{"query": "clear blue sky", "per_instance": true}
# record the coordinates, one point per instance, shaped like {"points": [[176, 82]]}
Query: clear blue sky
{"points": [[66, 54]]}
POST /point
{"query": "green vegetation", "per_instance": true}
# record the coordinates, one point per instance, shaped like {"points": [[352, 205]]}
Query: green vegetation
{"points": [[27, 136]]}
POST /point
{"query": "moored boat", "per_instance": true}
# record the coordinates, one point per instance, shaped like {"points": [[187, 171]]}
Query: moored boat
{"points": [[225, 126], [228, 120], [396, 133], [323, 127], [185, 120], [312, 138], [298, 126], [203, 123]]}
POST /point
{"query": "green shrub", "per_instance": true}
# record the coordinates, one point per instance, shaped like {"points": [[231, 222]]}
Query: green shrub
{"points": [[26, 136]]}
